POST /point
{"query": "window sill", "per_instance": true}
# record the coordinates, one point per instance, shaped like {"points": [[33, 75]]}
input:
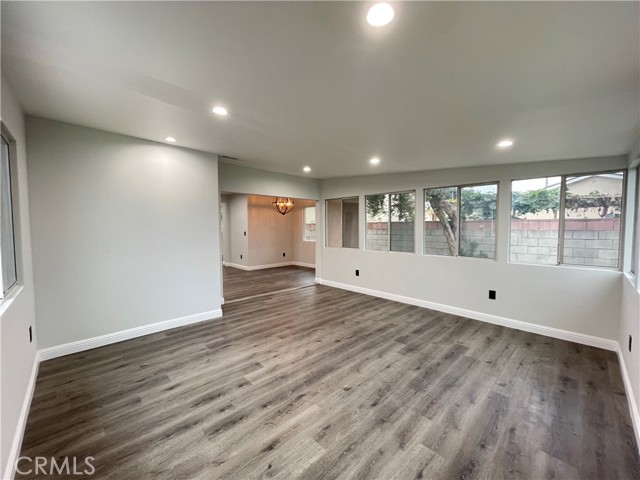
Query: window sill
{"points": [[6, 302], [431, 255], [389, 251], [569, 266]]}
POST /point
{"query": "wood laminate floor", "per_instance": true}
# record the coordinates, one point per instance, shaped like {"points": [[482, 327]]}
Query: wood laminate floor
{"points": [[324, 384], [240, 284]]}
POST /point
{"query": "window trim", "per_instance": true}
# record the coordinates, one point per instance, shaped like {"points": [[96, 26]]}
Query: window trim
{"points": [[304, 225], [11, 149], [366, 230], [561, 219], [635, 247], [459, 188], [326, 223]]}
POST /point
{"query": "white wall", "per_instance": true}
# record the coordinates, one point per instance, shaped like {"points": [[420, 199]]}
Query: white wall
{"points": [[303, 251], [581, 300], [17, 312], [226, 227], [260, 182], [238, 230], [630, 309], [270, 233], [125, 231], [630, 325]]}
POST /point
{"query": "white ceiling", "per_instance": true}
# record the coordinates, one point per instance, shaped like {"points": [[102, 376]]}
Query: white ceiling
{"points": [[311, 83]]}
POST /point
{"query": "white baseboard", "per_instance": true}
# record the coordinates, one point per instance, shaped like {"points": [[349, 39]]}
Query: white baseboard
{"points": [[631, 399], [581, 338], [89, 343], [22, 421], [271, 265], [302, 264]]}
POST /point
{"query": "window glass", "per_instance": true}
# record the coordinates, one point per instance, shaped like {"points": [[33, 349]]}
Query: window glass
{"points": [[478, 206], [7, 246], [377, 222], [342, 222], [535, 220], [441, 221], [403, 212], [592, 219], [350, 222], [309, 214], [635, 239], [390, 222], [334, 223]]}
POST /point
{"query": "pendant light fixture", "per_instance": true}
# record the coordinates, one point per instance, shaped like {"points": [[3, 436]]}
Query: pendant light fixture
{"points": [[282, 205]]}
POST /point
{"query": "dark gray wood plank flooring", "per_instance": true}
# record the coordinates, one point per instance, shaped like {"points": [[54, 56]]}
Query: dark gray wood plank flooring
{"points": [[240, 284], [321, 383]]}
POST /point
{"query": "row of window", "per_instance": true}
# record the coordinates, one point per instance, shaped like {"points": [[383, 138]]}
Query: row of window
{"points": [[570, 219]]}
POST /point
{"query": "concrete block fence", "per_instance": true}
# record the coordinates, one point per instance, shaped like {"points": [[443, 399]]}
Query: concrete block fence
{"points": [[402, 236], [478, 238], [591, 242]]}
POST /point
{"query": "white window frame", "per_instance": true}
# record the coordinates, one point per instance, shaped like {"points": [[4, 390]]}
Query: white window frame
{"points": [[389, 194], [458, 205], [6, 291], [561, 218], [342, 201], [304, 224]]}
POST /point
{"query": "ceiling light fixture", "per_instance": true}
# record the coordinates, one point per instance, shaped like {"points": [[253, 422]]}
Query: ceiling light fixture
{"points": [[221, 111], [506, 143], [282, 205], [374, 161], [307, 169], [170, 139], [380, 14]]}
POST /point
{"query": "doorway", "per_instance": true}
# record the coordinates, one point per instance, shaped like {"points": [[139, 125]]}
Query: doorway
{"points": [[264, 251]]}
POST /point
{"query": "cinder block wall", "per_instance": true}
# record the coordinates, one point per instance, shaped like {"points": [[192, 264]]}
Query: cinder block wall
{"points": [[402, 236], [591, 242]]}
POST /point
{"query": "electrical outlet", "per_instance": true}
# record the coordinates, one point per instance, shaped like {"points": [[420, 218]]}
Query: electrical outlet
{"points": [[30, 334], [630, 340], [283, 254], [240, 257], [357, 273], [492, 294], [245, 234]]}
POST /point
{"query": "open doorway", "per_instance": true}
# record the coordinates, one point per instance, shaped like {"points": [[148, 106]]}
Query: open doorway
{"points": [[264, 251]]}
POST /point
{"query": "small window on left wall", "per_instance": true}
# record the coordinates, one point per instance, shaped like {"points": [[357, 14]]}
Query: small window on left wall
{"points": [[309, 233], [7, 243]]}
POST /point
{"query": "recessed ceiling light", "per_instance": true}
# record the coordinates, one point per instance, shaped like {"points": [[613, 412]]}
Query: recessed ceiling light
{"points": [[506, 143], [220, 111], [374, 161], [380, 14], [170, 140], [307, 169]]}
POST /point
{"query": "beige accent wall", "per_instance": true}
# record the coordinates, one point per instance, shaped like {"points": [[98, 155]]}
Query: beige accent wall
{"points": [[269, 234]]}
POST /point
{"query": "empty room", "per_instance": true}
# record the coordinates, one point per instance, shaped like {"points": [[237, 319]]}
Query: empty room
{"points": [[320, 240]]}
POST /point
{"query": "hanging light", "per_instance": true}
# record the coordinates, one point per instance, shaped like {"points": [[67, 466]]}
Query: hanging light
{"points": [[282, 205]]}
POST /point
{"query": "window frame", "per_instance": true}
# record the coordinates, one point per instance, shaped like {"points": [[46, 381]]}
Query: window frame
{"points": [[561, 218], [304, 224], [11, 146], [459, 188], [635, 248], [326, 222], [366, 230]]}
